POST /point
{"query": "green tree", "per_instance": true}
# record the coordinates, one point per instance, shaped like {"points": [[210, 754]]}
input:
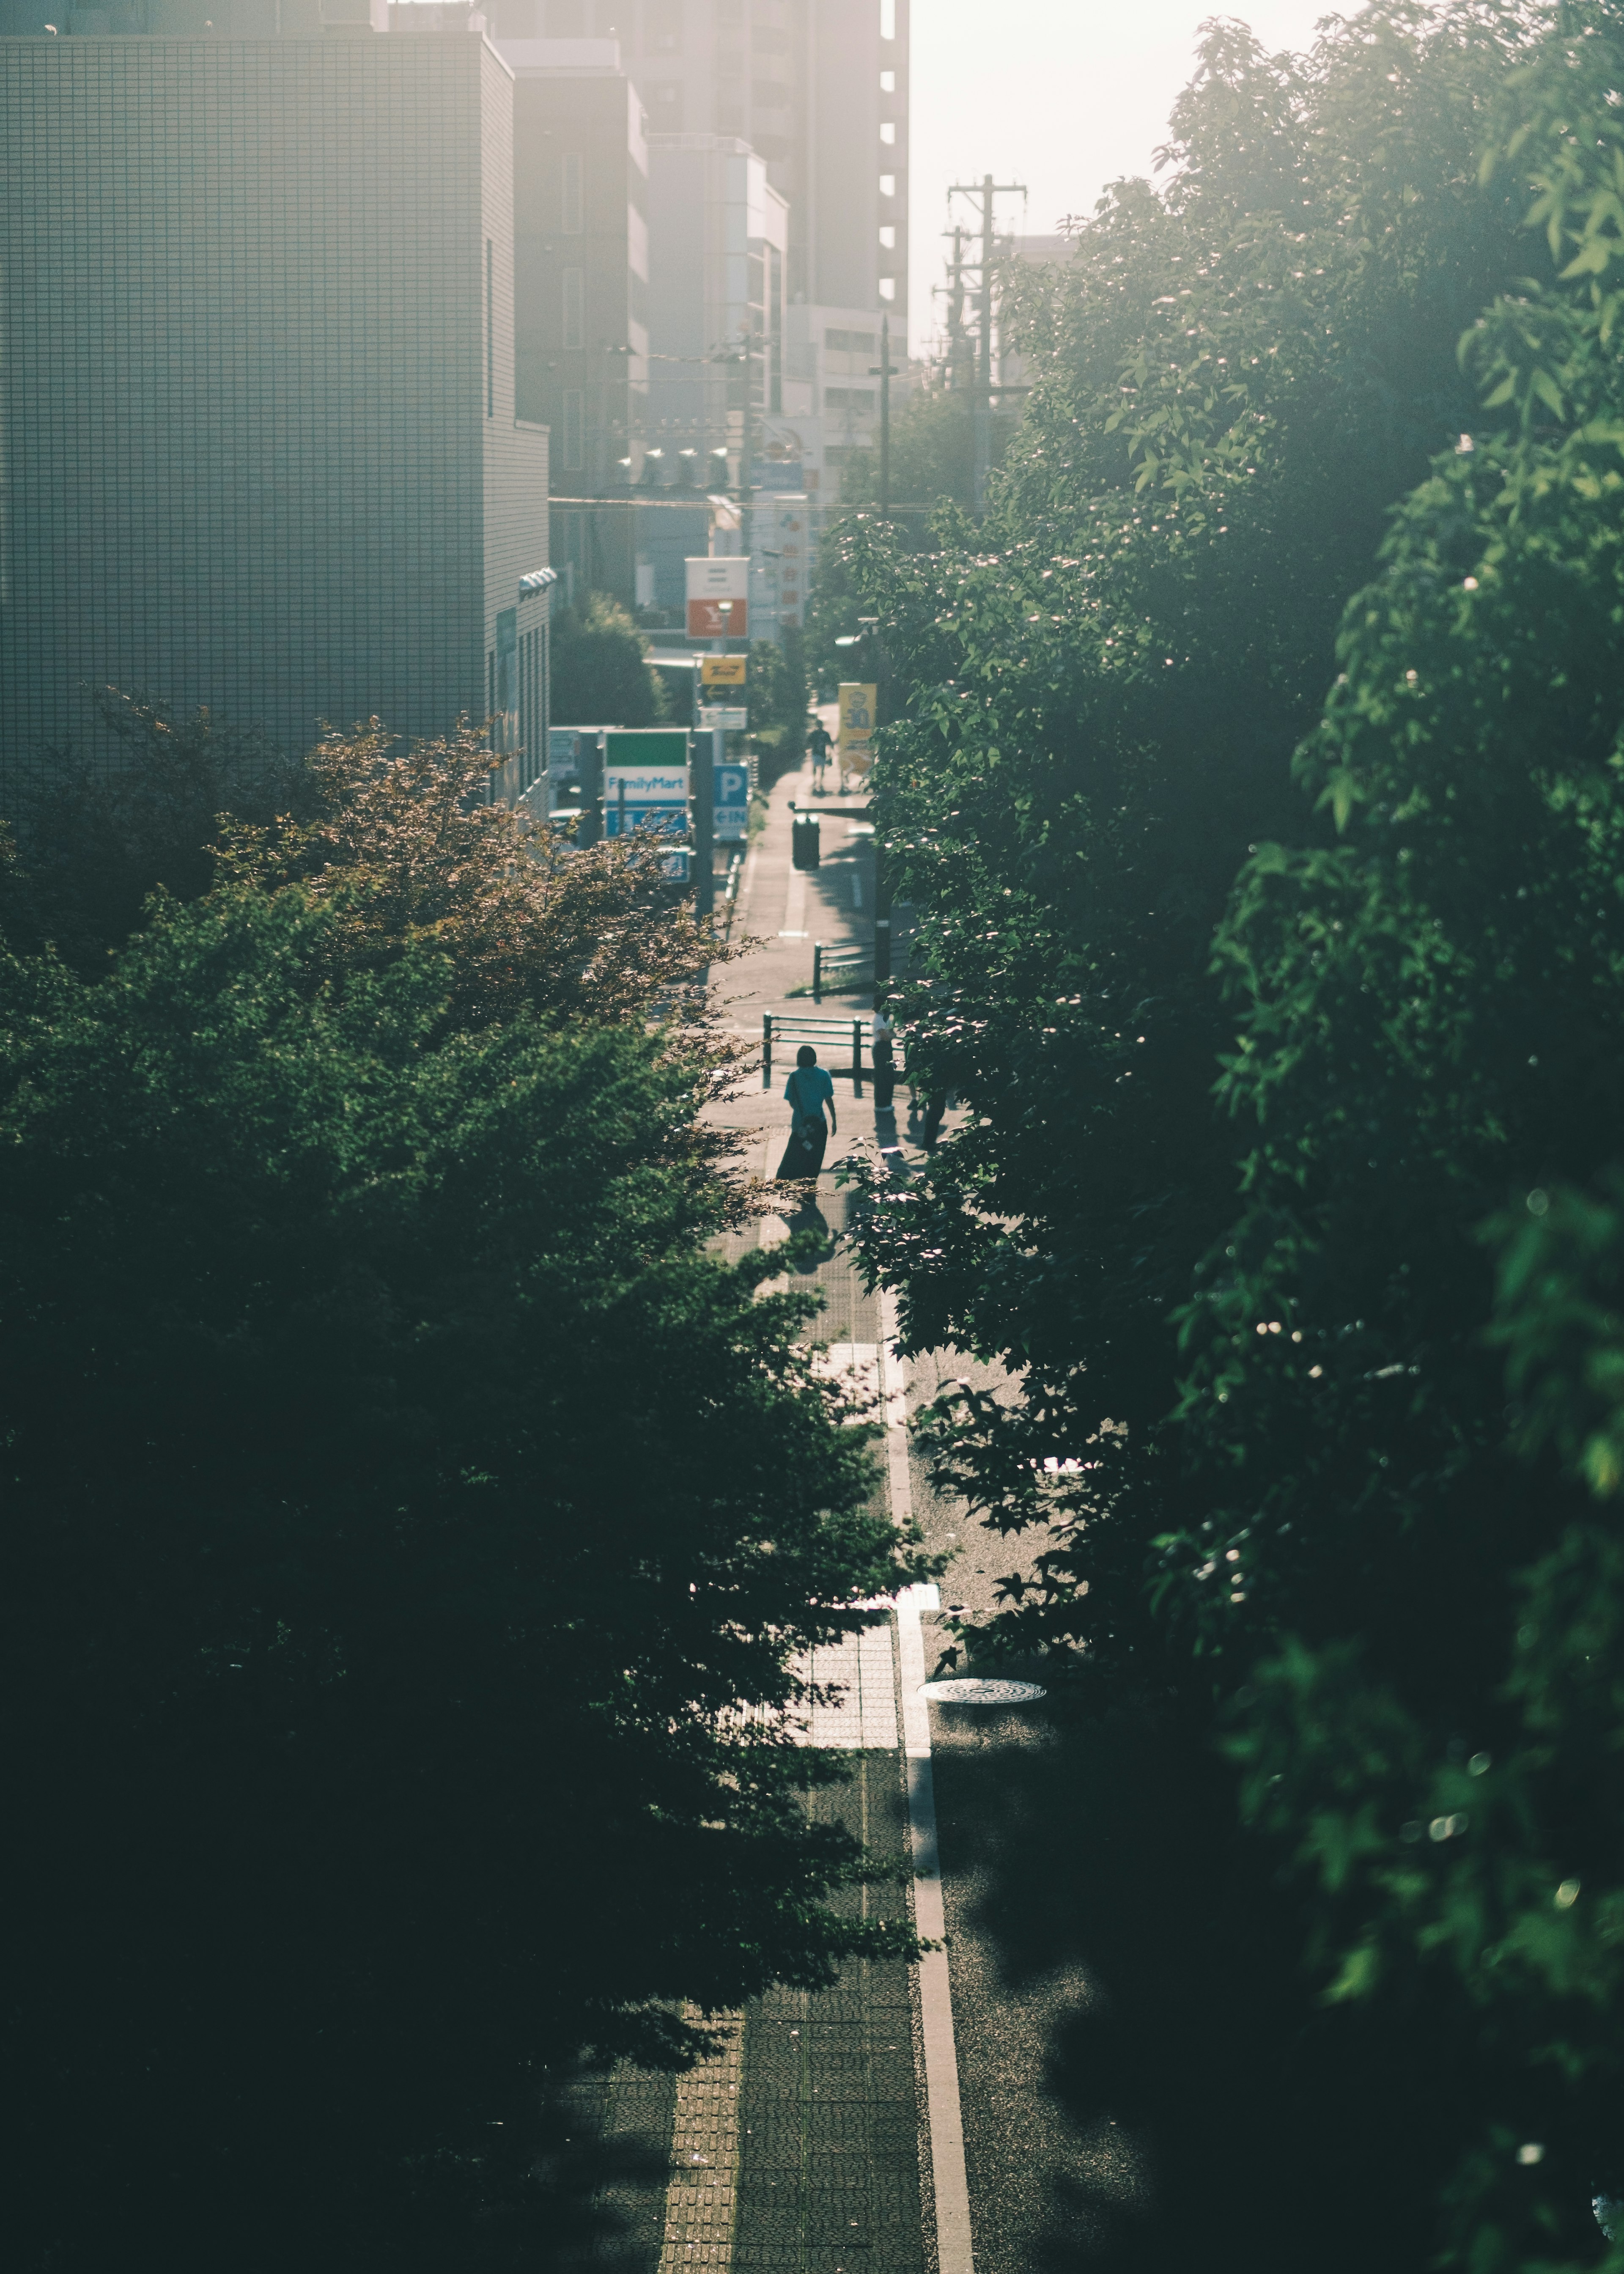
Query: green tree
{"points": [[599, 673], [1109, 683], [97, 835], [402, 1504], [932, 454], [1306, 1535], [778, 694]]}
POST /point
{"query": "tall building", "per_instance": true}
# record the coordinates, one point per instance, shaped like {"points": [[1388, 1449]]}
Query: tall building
{"points": [[262, 451], [581, 221], [717, 240], [818, 88]]}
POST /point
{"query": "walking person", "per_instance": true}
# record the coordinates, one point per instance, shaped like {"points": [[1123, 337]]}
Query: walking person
{"points": [[820, 741], [883, 1054], [926, 1108], [809, 1090]]}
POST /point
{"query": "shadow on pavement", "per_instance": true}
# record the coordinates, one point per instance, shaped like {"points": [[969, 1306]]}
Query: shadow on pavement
{"points": [[1124, 1974], [601, 2177]]}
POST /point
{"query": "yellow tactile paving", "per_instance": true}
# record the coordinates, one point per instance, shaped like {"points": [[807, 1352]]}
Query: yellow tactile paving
{"points": [[702, 2202]]}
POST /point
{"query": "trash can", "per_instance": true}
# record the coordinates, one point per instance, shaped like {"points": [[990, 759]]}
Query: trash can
{"points": [[804, 840]]}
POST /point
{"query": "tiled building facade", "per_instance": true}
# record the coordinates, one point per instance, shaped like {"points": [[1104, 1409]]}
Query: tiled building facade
{"points": [[257, 405]]}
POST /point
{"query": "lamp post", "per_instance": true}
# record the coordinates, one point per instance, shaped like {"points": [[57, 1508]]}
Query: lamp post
{"points": [[704, 791]]}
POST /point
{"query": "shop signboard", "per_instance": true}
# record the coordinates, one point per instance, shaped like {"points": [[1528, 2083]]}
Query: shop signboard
{"points": [[855, 740], [646, 779], [723, 670], [718, 589]]}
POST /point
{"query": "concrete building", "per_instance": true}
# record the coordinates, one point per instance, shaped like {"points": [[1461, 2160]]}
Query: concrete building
{"points": [[262, 449], [818, 88], [717, 238], [580, 219]]}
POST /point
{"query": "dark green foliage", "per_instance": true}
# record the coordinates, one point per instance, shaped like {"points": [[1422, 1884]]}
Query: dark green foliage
{"points": [[932, 454], [1260, 1347], [778, 696], [95, 836], [600, 676], [1109, 688], [399, 1503]]}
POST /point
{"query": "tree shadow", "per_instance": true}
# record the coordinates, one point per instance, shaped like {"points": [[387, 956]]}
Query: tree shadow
{"points": [[1131, 1981]]}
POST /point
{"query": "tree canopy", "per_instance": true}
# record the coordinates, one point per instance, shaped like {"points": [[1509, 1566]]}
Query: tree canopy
{"points": [[1290, 1023], [599, 673], [411, 1521]]}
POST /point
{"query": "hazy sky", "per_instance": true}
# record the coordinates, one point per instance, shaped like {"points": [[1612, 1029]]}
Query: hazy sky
{"points": [[1064, 95]]}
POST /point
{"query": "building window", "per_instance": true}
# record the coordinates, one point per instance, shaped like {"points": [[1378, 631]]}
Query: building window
{"points": [[888, 130], [888, 185], [490, 329], [575, 323], [851, 343], [888, 82], [888, 236], [575, 432], [888, 287], [572, 218]]}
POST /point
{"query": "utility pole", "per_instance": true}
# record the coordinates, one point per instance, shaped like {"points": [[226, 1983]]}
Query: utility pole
{"points": [[883, 370], [985, 193], [952, 292]]}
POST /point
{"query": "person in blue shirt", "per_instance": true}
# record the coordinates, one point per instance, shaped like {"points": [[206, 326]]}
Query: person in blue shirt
{"points": [[809, 1090]]}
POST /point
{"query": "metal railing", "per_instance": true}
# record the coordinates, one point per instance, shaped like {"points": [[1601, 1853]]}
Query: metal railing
{"points": [[834, 969], [792, 1032]]}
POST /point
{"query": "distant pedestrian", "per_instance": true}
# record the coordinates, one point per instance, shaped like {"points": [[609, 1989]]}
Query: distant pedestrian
{"points": [[927, 1106], [820, 741], [883, 1054], [809, 1090]]}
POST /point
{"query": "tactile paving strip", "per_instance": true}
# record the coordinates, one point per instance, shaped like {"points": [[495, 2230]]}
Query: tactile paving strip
{"points": [[702, 2201]]}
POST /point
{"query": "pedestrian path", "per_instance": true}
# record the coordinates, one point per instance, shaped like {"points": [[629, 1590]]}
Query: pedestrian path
{"points": [[827, 2167], [824, 2138]]}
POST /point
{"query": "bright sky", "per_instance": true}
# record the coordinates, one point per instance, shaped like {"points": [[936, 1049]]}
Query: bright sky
{"points": [[1064, 95]]}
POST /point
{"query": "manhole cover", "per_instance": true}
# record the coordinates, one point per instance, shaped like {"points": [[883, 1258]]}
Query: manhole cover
{"points": [[968, 1690]]}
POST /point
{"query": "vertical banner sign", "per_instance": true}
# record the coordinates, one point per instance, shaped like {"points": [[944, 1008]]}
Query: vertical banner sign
{"points": [[646, 780], [732, 822], [855, 740], [719, 590]]}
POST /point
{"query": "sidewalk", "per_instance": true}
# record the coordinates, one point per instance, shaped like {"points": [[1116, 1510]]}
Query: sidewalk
{"points": [[830, 2137], [785, 909], [827, 2165]]}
